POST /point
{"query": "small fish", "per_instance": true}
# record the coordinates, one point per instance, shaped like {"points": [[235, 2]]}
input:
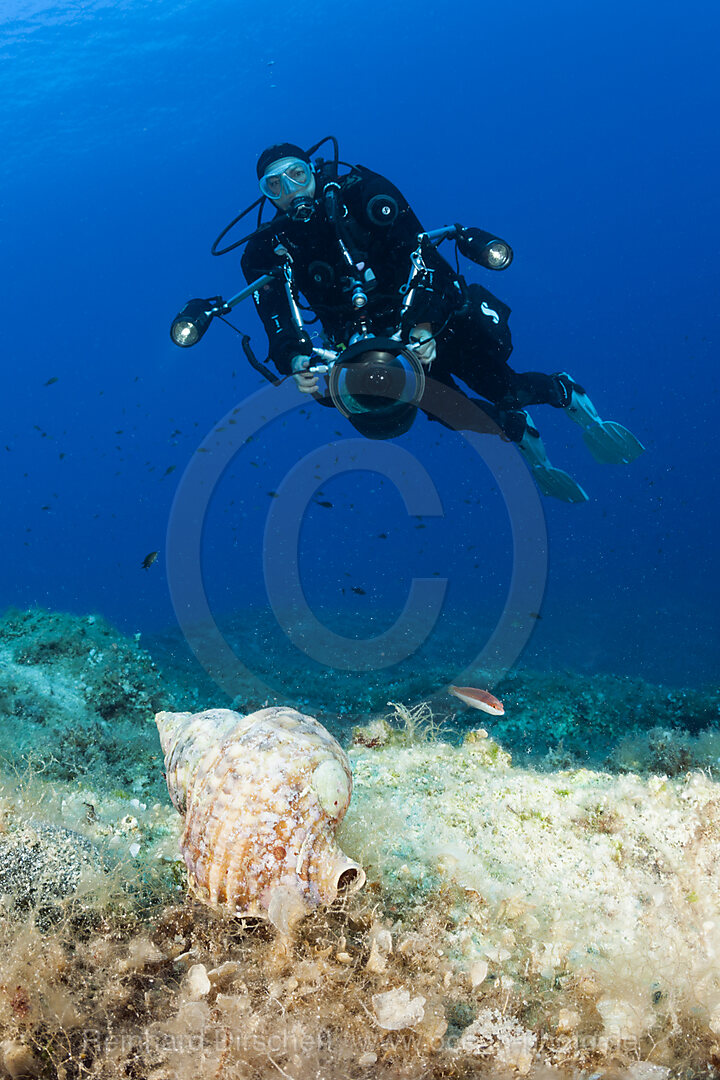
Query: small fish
{"points": [[382, 536], [358, 590], [273, 494], [478, 699], [170, 468], [535, 615], [149, 560], [54, 379], [323, 503]]}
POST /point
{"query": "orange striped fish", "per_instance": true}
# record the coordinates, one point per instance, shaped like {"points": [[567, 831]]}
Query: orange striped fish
{"points": [[478, 699]]}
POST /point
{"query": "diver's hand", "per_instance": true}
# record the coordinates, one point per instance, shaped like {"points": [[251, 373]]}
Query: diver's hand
{"points": [[306, 382], [423, 343]]}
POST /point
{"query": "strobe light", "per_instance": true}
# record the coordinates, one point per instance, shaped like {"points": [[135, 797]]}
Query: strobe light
{"points": [[484, 249], [189, 326]]}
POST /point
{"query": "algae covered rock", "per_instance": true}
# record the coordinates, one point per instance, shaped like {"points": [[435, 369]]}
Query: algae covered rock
{"points": [[41, 865], [587, 715], [88, 659], [77, 698]]}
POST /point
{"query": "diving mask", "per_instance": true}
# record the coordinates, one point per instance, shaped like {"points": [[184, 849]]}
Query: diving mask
{"points": [[289, 176]]}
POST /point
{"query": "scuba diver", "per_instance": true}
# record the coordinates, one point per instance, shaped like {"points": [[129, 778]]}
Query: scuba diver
{"points": [[352, 247]]}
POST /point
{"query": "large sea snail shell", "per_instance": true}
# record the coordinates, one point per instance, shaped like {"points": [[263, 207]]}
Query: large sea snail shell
{"points": [[262, 796]]}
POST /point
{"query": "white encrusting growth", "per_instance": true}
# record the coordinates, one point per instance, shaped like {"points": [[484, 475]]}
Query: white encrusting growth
{"points": [[611, 882]]}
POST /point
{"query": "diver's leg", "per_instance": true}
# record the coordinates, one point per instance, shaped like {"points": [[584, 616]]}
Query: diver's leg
{"points": [[516, 426], [489, 374], [524, 388], [608, 442], [512, 392], [443, 401], [480, 360]]}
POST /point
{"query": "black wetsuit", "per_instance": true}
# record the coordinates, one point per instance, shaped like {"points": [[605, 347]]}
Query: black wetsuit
{"points": [[473, 337]]}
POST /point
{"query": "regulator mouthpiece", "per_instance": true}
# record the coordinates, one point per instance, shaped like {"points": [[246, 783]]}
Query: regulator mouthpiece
{"points": [[302, 208]]}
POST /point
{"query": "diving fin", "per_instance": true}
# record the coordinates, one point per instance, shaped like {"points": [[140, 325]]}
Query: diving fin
{"points": [[550, 480], [608, 442], [612, 444]]}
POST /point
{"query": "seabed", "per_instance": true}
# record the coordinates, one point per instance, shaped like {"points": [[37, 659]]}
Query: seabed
{"points": [[544, 914]]}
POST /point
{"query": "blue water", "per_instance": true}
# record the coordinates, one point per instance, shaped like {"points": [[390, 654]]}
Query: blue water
{"points": [[585, 135]]}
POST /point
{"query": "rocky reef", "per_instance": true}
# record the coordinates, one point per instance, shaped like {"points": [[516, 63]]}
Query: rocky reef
{"points": [[542, 899]]}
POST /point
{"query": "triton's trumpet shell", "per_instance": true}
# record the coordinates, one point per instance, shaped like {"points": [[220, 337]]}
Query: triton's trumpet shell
{"points": [[262, 797]]}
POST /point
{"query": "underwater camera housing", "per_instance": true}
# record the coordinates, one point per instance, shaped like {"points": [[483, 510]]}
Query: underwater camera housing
{"points": [[377, 384]]}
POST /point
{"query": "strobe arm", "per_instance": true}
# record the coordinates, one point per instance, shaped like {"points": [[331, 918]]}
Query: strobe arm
{"points": [[478, 246], [191, 323]]}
